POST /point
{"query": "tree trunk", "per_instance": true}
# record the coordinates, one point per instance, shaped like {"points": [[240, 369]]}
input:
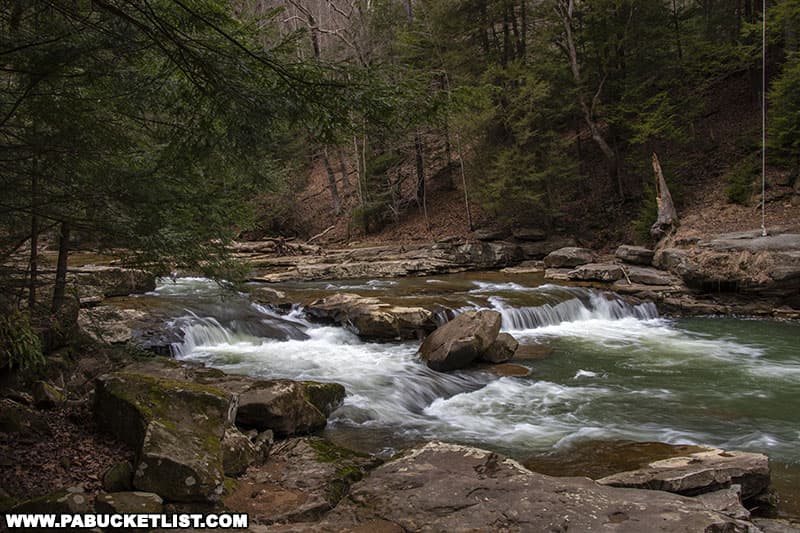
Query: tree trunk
{"points": [[61, 268], [422, 199], [565, 11], [667, 219], [34, 258], [337, 203], [343, 170]]}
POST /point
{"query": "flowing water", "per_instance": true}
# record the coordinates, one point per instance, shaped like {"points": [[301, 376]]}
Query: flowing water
{"points": [[617, 372]]}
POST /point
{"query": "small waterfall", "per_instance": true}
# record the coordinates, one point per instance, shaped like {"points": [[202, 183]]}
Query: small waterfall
{"points": [[590, 306], [199, 331]]}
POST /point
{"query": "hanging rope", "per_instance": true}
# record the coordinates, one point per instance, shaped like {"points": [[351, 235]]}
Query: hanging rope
{"points": [[763, 118]]}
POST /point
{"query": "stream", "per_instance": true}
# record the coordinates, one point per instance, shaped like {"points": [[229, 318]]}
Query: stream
{"points": [[617, 373]]}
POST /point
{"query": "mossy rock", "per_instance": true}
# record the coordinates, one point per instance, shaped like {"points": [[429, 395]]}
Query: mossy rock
{"points": [[17, 418], [176, 428], [119, 478], [66, 501], [129, 502], [327, 397], [238, 452]]}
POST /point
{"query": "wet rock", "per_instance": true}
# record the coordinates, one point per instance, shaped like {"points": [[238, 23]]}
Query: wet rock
{"points": [[446, 487], [526, 267], [634, 255], [327, 397], [176, 426], [506, 369], [118, 478], [698, 473], [304, 478], [461, 341], [282, 406], [129, 502], [238, 452], [533, 352], [569, 257], [72, 500], [607, 272], [650, 276], [501, 350], [47, 396], [372, 319]]}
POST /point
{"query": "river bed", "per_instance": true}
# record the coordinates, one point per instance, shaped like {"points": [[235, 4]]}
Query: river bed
{"points": [[618, 373]]}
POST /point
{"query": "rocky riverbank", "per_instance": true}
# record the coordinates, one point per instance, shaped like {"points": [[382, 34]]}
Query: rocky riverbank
{"points": [[206, 441], [738, 273]]}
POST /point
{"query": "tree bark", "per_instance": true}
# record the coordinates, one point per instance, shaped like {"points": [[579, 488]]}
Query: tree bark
{"points": [[343, 170], [337, 202], [667, 219], [422, 199], [61, 268], [34, 257]]}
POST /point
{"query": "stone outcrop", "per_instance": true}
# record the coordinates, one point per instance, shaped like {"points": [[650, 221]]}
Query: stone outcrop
{"points": [[461, 341], [501, 350], [176, 427], [371, 319], [304, 478], [635, 255], [445, 487], [386, 261], [606, 272], [698, 473], [539, 249], [180, 421], [569, 257]]}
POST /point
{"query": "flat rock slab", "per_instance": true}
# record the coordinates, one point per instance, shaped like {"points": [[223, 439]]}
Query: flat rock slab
{"points": [[303, 479], [698, 473], [635, 255], [597, 272], [446, 487], [754, 243], [650, 276], [569, 257]]}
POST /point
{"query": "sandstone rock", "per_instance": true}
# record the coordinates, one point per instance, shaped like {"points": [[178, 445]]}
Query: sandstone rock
{"points": [[597, 272], [372, 319], [698, 473], [557, 274], [501, 350], [238, 452], [650, 276], [446, 487], [47, 396], [526, 267], [539, 249], [777, 525], [461, 341], [129, 502], [176, 427], [726, 501], [569, 257], [118, 478], [280, 405], [327, 397], [529, 234], [108, 323], [506, 369], [304, 478], [635, 255], [533, 352], [72, 500]]}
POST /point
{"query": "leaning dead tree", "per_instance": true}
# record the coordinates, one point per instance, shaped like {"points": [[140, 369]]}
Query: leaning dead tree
{"points": [[667, 219]]}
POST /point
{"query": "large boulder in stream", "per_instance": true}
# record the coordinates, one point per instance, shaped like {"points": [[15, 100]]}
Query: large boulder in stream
{"points": [[467, 337], [176, 428], [569, 257], [447, 487], [372, 319], [180, 421]]}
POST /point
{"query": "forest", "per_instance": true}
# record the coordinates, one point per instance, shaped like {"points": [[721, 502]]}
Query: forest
{"points": [[182, 178]]}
